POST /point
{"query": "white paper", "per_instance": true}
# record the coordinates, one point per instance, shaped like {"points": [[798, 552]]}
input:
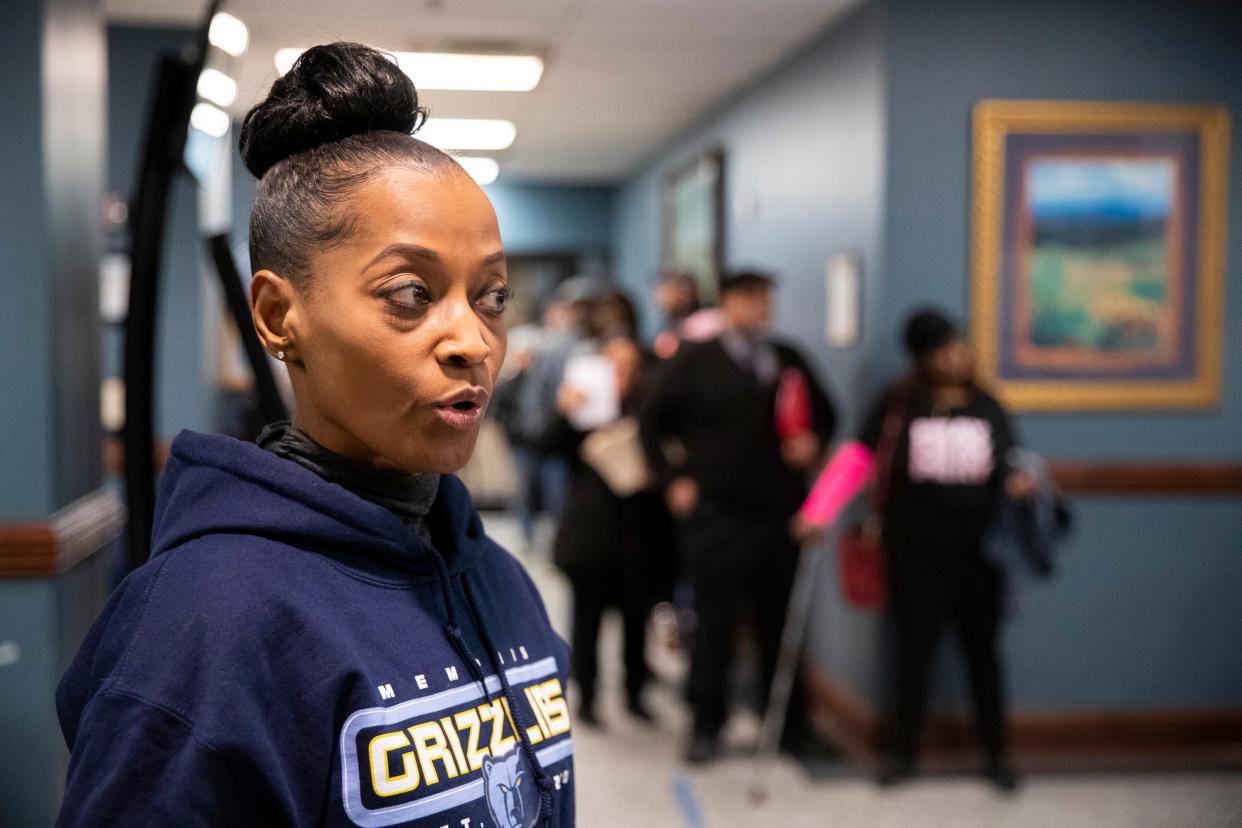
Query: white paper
{"points": [[596, 378], [842, 313], [113, 287]]}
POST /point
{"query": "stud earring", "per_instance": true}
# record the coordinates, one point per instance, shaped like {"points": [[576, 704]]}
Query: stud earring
{"points": [[280, 355]]}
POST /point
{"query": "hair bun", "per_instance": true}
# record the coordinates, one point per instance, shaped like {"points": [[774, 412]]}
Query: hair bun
{"points": [[332, 92]]}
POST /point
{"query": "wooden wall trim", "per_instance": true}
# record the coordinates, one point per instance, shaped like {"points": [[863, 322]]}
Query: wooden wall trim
{"points": [[842, 716], [46, 549], [1188, 478], [114, 455], [1155, 737]]}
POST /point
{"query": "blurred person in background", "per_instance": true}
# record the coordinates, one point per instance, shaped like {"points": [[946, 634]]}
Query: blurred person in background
{"points": [[613, 542], [525, 340], [613, 316], [529, 408], [944, 443], [735, 489], [676, 295]]}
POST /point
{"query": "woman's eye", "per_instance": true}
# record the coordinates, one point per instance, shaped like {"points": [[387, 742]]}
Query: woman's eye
{"points": [[411, 295], [494, 300]]}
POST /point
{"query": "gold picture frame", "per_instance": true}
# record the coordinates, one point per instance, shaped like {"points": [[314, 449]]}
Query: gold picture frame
{"points": [[1097, 253]]}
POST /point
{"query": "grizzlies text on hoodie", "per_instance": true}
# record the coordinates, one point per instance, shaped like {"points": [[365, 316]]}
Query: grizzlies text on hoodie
{"points": [[294, 655]]}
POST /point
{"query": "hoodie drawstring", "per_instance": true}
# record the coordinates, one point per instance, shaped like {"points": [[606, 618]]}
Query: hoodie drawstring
{"points": [[542, 779], [452, 630]]}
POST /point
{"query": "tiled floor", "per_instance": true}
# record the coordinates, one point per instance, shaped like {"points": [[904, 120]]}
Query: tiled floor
{"points": [[629, 773]]}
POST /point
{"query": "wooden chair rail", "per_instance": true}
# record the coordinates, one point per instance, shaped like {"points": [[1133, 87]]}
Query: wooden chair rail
{"points": [[1184, 478]]}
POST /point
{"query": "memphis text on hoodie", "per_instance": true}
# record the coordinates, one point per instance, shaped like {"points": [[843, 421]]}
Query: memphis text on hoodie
{"points": [[295, 655], [433, 745]]}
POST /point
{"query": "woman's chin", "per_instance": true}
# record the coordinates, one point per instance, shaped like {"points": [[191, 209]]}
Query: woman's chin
{"points": [[450, 456], [432, 449]]}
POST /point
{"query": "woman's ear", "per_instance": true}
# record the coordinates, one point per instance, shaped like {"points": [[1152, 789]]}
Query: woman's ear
{"points": [[274, 310]]}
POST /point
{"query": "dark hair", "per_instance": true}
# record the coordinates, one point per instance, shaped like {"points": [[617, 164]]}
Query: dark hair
{"points": [[927, 330], [613, 315], [745, 280], [342, 113]]}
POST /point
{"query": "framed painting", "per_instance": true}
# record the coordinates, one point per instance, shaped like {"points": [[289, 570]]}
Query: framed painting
{"points": [[692, 237], [1098, 240]]}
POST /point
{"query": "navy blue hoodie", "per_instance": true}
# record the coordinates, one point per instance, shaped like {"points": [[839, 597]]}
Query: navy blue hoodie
{"points": [[294, 655]]}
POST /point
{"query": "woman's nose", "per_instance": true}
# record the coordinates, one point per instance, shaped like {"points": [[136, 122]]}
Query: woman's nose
{"points": [[463, 340]]}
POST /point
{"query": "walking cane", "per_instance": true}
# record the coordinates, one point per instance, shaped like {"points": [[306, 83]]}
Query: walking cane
{"points": [[796, 617]]}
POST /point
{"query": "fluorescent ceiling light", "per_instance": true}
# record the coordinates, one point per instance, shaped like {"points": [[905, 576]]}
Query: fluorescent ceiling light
{"points": [[448, 70], [486, 73], [285, 58], [209, 119], [482, 170], [468, 133], [217, 87], [228, 34]]}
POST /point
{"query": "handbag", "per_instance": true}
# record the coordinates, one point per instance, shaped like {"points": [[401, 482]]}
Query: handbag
{"points": [[860, 553], [615, 452], [860, 559]]}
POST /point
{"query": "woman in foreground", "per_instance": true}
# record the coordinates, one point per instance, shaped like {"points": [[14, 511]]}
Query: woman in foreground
{"points": [[324, 634]]}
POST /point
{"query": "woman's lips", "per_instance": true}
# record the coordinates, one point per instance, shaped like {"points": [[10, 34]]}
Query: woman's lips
{"points": [[463, 409], [460, 417]]}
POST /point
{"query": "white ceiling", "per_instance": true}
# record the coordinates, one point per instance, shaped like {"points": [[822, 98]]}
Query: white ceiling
{"points": [[621, 76]]}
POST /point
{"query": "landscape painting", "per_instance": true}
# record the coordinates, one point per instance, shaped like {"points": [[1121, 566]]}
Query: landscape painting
{"points": [[1102, 278], [1097, 253]]}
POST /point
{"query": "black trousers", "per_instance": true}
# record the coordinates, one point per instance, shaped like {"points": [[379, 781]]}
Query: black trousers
{"points": [[732, 560], [930, 589], [593, 594]]}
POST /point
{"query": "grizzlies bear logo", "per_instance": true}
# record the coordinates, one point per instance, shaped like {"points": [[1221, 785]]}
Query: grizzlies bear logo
{"points": [[512, 797]]}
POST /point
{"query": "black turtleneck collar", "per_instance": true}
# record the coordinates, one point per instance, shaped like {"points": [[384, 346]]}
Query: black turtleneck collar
{"points": [[408, 496]]}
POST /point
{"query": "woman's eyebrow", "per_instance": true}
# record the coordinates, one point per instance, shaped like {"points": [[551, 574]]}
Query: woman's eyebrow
{"points": [[496, 258], [406, 251]]}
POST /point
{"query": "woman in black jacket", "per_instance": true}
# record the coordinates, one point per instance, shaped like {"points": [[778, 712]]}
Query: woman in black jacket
{"points": [[944, 441], [614, 546]]}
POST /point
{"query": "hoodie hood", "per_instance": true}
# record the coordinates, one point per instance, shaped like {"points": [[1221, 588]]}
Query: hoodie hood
{"points": [[217, 485]]}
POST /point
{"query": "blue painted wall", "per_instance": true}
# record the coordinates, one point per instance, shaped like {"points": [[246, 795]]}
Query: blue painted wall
{"points": [[862, 140], [51, 56], [185, 397], [805, 146], [1145, 610], [804, 174], [948, 55], [549, 218], [25, 364]]}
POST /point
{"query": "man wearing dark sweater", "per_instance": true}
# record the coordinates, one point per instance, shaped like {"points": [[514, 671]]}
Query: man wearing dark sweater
{"points": [[710, 434]]}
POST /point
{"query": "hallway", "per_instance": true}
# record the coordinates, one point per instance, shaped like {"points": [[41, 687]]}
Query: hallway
{"points": [[630, 774]]}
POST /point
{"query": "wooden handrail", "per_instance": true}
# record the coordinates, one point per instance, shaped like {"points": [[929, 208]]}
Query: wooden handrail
{"points": [[1188, 478], [48, 548]]}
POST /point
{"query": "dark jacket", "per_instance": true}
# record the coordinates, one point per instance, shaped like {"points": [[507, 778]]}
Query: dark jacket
{"points": [[725, 419], [294, 655], [1026, 536], [603, 535], [947, 467]]}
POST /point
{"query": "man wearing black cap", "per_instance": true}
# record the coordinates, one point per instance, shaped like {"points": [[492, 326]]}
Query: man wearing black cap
{"points": [[734, 486], [947, 471]]}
